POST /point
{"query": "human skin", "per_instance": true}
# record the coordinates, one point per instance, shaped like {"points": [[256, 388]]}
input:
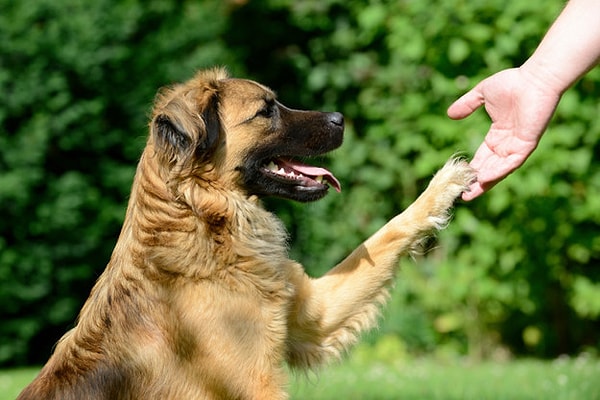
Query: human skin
{"points": [[521, 101]]}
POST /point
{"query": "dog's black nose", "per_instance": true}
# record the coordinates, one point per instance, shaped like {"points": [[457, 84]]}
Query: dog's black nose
{"points": [[336, 118]]}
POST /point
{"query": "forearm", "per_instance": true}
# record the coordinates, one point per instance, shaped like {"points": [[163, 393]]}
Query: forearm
{"points": [[570, 48]]}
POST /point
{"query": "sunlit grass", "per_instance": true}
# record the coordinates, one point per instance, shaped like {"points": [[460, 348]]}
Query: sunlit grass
{"points": [[364, 378], [429, 378], [13, 380]]}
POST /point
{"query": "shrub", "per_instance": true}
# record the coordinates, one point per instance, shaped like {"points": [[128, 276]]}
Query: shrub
{"points": [[515, 267]]}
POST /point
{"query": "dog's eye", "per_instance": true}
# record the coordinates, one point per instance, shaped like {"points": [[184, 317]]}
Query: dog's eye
{"points": [[267, 111]]}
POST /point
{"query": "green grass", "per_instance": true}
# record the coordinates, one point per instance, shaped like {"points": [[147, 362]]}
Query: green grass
{"points": [[362, 378], [12, 381], [429, 379]]}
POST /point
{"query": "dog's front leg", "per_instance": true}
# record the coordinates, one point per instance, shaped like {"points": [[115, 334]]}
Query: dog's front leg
{"points": [[331, 311]]}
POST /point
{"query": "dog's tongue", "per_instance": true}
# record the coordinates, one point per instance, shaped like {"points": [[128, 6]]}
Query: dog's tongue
{"points": [[313, 172]]}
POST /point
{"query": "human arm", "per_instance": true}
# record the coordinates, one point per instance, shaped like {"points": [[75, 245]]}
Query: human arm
{"points": [[521, 101]]}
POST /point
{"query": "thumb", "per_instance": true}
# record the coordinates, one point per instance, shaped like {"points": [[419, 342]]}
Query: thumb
{"points": [[466, 104]]}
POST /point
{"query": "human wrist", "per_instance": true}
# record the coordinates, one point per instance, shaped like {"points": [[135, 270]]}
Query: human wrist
{"points": [[547, 77], [570, 48]]}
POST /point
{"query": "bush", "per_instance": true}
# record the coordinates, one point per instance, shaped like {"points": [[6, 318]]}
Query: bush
{"points": [[78, 79], [516, 261], [514, 268]]}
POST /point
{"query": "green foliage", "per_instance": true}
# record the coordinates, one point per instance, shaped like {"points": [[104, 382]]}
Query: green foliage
{"points": [[521, 259], [516, 268], [77, 80]]}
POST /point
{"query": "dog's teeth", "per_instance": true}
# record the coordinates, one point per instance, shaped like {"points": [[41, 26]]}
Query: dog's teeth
{"points": [[319, 179], [272, 166], [281, 171]]}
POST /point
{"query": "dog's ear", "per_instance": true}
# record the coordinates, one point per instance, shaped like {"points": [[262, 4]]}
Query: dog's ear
{"points": [[212, 127], [187, 125], [169, 133]]}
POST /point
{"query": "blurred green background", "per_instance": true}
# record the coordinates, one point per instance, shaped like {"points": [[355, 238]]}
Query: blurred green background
{"points": [[516, 273]]}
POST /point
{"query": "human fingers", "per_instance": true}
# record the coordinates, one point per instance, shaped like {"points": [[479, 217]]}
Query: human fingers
{"points": [[466, 104], [490, 168], [475, 190]]}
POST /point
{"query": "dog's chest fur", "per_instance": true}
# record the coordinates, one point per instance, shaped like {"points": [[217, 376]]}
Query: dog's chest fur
{"points": [[233, 300]]}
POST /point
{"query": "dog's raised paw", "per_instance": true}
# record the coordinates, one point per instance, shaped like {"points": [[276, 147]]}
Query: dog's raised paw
{"points": [[456, 175], [445, 187]]}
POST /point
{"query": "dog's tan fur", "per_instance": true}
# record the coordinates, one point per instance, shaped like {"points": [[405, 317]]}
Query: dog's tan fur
{"points": [[200, 299]]}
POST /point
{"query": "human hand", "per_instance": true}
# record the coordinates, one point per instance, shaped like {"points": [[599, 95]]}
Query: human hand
{"points": [[520, 106]]}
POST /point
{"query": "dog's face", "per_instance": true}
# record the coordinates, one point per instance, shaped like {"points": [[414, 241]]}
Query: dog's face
{"points": [[249, 140]]}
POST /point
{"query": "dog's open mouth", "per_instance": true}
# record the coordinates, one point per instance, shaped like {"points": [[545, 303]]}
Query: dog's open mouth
{"points": [[301, 175]]}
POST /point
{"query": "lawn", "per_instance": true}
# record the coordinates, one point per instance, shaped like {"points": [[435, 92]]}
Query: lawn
{"points": [[363, 378], [429, 379]]}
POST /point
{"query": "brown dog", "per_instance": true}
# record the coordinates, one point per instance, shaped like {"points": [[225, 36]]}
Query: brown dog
{"points": [[199, 299]]}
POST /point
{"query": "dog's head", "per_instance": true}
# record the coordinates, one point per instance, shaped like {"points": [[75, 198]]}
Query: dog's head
{"points": [[233, 133]]}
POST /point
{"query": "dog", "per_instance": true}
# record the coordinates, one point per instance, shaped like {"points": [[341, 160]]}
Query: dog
{"points": [[199, 299]]}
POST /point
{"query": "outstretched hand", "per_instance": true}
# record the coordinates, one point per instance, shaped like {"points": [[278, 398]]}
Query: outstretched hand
{"points": [[520, 107]]}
